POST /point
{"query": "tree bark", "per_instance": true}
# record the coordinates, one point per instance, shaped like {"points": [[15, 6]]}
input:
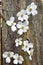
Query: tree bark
{"points": [[35, 34]]}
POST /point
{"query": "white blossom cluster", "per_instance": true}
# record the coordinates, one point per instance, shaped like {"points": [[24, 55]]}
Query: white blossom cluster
{"points": [[26, 46], [21, 27], [23, 24], [16, 57]]}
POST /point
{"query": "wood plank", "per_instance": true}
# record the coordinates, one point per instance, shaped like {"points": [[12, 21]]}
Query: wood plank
{"points": [[0, 31], [0, 45], [35, 34], [8, 37]]}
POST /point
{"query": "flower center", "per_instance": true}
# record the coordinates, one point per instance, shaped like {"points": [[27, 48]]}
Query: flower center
{"points": [[22, 27], [8, 55], [18, 58], [26, 46], [12, 24], [30, 9], [21, 15], [18, 41]]}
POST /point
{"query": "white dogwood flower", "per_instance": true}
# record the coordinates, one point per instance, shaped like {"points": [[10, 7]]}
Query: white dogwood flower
{"points": [[18, 59], [23, 27], [22, 15], [31, 9], [30, 50], [11, 23], [18, 42], [30, 57], [25, 45], [8, 55]]}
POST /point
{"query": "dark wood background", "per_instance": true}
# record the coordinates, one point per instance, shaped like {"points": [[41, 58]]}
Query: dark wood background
{"points": [[35, 34]]}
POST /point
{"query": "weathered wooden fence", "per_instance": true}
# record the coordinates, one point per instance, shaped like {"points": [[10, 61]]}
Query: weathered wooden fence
{"points": [[35, 34]]}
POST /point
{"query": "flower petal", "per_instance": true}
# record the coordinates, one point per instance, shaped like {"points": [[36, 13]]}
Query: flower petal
{"points": [[15, 56], [25, 17], [20, 38], [21, 58], [12, 18], [4, 54], [20, 32], [9, 23], [33, 5], [19, 24], [8, 60], [24, 30], [30, 45], [17, 44], [27, 27], [13, 28], [15, 61], [23, 48], [30, 57], [20, 43], [25, 42], [30, 52], [11, 54], [23, 11], [26, 23], [20, 62], [28, 12], [18, 14], [20, 18], [34, 12]]}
